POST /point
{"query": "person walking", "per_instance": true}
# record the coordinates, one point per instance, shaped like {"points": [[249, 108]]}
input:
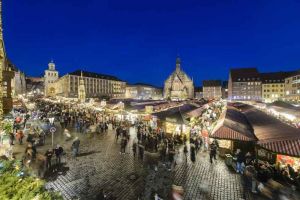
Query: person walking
{"points": [[48, 155], [20, 136], [141, 150], [118, 132], [123, 144], [75, 146], [134, 148], [240, 161], [11, 138], [251, 173], [58, 153], [193, 152], [185, 151], [105, 127], [171, 152], [67, 134], [213, 152], [62, 122]]}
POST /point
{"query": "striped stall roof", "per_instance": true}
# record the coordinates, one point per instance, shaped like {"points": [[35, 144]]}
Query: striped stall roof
{"points": [[289, 147], [227, 133]]}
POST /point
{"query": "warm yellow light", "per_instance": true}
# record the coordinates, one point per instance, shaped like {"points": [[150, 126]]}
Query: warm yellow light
{"points": [[226, 144]]}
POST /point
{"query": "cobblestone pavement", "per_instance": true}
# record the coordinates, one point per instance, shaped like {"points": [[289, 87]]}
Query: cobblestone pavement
{"points": [[101, 166], [204, 180]]}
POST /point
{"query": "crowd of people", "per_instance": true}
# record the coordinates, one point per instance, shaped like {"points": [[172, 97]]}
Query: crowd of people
{"points": [[147, 141], [84, 121], [271, 180]]}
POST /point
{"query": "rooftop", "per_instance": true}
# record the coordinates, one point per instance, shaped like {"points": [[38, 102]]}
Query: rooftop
{"points": [[295, 73], [234, 125], [239, 74], [94, 75], [212, 83], [198, 89], [275, 76], [176, 113], [267, 127]]}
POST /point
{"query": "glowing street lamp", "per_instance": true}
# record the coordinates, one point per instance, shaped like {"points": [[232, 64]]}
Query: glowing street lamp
{"points": [[52, 129]]}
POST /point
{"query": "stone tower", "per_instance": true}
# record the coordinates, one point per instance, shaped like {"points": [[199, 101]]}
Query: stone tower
{"points": [[2, 62], [51, 75], [81, 90]]}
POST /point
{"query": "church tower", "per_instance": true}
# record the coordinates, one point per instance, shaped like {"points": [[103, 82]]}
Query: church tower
{"points": [[51, 75], [81, 90], [179, 85], [178, 62]]}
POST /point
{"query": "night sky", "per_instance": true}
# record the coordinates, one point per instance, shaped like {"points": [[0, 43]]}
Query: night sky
{"points": [[138, 40]]}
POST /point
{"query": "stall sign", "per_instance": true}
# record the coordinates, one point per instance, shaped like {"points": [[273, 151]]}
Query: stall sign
{"points": [[226, 144], [171, 120]]}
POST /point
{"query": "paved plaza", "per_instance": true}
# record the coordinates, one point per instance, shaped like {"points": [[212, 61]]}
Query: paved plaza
{"points": [[121, 176]]}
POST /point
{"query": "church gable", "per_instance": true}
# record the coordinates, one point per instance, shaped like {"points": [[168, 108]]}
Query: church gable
{"points": [[178, 84]]}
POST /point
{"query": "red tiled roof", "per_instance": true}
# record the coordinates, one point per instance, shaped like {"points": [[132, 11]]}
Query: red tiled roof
{"points": [[196, 113], [244, 73], [267, 127], [227, 133], [289, 147]]}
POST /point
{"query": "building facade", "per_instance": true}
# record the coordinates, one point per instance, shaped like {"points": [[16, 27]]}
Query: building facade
{"points": [[179, 85], [6, 75], [198, 92], [96, 85], [273, 85], [81, 90], [51, 75], [2, 60], [224, 89], [292, 87], [212, 89], [143, 91], [18, 83], [244, 84]]}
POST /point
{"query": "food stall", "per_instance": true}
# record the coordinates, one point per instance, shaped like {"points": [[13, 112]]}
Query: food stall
{"points": [[285, 160], [283, 151], [233, 132], [174, 120], [277, 141]]}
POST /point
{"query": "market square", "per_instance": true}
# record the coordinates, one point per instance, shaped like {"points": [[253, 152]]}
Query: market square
{"points": [[105, 101]]}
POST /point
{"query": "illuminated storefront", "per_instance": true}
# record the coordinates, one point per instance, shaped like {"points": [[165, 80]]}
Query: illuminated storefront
{"points": [[174, 128], [285, 160]]}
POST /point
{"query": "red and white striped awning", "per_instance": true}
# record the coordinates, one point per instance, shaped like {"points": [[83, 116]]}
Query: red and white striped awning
{"points": [[289, 147], [227, 133]]}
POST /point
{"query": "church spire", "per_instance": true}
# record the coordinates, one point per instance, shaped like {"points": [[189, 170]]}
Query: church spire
{"points": [[178, 62]]}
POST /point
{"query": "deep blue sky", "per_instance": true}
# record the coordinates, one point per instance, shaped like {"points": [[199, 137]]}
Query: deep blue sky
{"points": [[138, 40]]}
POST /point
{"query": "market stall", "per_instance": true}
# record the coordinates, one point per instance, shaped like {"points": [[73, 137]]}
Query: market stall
{"points": [[283, 151], [233, 131], [278, 141], [174, 120]]}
